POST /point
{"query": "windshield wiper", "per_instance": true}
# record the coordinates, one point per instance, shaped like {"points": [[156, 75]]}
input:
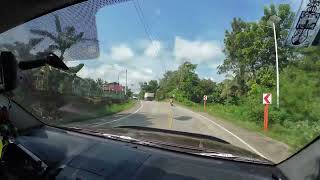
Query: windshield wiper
{"points": [[173, 132], [172, 147], [234, 157], [106, 135]]}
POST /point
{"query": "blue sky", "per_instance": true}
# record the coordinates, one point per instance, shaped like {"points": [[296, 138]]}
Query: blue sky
{"points": [[180, 29]]}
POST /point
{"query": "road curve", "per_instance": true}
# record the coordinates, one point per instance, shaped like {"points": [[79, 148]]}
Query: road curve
{"points": [[162, 115]]}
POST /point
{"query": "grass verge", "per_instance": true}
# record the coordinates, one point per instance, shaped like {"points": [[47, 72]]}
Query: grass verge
{"points": [[96, 112], [237, 115]]}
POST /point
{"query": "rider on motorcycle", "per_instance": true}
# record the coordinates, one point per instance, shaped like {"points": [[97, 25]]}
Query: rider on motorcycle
{"points": [[171, 101]]}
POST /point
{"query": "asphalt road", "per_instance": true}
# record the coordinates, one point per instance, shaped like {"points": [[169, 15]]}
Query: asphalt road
{"points": [[162, 115]]}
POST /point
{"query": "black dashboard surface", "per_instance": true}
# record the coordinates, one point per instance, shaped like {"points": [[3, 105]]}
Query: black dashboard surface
{"points": [[82, 156]]}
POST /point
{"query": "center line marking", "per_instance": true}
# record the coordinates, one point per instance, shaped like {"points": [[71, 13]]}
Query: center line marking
{"points": [[100, 124]]}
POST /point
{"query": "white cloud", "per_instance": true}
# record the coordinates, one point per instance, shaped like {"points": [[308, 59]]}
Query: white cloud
{"points": [[121, 53], [158, 12], [148, 71], [108, 66], [110, 72], [216, 64], [211, 78], [153, 49], [197, 51], [147, 61]]}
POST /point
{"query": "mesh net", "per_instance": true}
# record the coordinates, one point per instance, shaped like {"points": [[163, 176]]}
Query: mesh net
{"points": [[70, 33]]}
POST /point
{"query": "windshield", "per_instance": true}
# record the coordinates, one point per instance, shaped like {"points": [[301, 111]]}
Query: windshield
{"points": [[244, 72]]}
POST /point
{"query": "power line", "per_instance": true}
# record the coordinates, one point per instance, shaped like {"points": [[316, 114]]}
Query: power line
{"points": [[142, 15], [142, 21], [148, 28], [142, 18]]}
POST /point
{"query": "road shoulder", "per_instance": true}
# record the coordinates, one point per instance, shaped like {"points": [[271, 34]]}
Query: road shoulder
{"points": [[95, 122], [273, 150]]}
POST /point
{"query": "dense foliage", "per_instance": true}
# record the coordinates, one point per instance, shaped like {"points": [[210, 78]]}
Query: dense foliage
{"points": [[150, 87], [250, 67]]}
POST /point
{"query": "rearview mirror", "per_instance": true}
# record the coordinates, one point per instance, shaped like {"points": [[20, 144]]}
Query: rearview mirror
{"points": [[8, 72], [9, 66]]}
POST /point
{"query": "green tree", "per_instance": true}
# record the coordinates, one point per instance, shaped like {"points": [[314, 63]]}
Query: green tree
{"points": [[63, 38], [167, 84], [236, 43], [129, 93], [182, 83], [205, 87], [150, 87], [249, 47], [153, 86], [99, 83]]}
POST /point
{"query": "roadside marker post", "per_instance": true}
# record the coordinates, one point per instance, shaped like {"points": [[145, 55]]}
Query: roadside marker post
{"points": [[266, 100], [265, 119], [205, 98]]}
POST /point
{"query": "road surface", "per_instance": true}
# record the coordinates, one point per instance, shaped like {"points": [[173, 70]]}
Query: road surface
{"points": [[162, 115]]}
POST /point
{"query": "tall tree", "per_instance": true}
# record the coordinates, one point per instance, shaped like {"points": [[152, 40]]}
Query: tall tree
{"points": [[236, 43], [249, 46], [188, 80], [183, 83], [63, 38], [150, 87]]}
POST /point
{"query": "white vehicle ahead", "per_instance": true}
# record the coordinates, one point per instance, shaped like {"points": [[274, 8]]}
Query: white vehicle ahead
{"points": [[148, 96]]}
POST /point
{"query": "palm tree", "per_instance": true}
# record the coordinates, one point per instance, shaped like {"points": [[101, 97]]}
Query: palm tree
{"points": [[63, 39]]}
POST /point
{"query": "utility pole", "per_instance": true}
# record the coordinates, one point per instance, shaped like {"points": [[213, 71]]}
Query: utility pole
{"points": [[119, 78], [125, 88], [277, 64], [272, 21]]}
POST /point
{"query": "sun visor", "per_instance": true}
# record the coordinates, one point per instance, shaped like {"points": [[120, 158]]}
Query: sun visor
{"points": [[70, 33]]}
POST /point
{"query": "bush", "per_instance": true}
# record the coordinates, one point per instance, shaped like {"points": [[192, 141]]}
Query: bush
{"points": [[296, 122]]}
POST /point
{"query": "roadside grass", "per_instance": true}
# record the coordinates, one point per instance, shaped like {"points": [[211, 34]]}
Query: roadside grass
{"points": [[295, 136], [95, 111]]}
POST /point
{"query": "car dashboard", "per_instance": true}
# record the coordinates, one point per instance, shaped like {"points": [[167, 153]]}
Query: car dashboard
{"points": [[52, 153]]}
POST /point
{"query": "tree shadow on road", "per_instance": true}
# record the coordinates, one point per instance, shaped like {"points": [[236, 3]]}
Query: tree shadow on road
{"points": [[135, 120], [183, 118], [124, 119]]}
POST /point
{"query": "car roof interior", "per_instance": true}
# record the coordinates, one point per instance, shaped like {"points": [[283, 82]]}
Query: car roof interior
{"points": [[16, 12]]}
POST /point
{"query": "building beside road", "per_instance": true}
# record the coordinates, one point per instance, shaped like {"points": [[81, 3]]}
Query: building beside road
{"points": [[113, 87]]}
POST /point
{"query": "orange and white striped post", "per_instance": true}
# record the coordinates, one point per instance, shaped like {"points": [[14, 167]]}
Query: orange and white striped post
{"points": [[265, 119], [266, 99]]}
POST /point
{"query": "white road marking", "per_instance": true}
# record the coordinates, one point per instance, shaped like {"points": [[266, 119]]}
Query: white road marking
{"points": [[100, 124], [223, 128]]}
